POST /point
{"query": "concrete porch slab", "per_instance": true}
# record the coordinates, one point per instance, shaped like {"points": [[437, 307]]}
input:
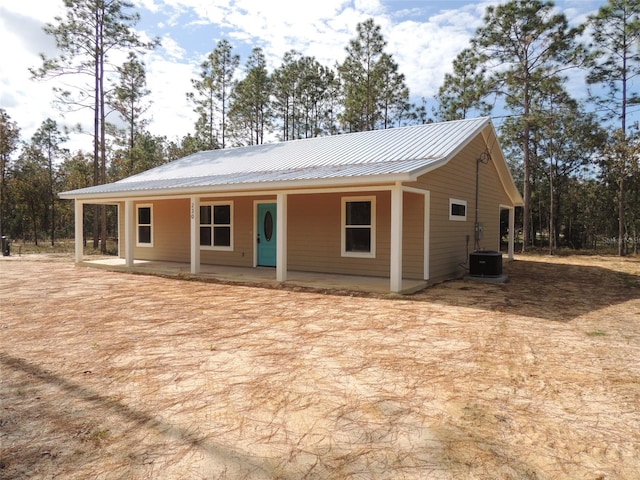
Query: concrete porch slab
{"points": [[258, 276]]}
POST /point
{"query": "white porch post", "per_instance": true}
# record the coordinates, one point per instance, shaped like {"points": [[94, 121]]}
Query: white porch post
{"points": [[512, 221], [195, 235], [281, 240], [79, 230], [427, 233], [129, 232], [396, 239]]}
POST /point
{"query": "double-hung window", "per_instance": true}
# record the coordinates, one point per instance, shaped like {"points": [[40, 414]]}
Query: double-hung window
{"points": [[144, 226], [358, 227], [216, 229]]}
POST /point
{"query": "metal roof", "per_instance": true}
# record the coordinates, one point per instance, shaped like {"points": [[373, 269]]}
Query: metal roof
{"points": [[399, 152]]}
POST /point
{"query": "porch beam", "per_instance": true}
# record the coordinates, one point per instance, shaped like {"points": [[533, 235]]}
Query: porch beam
{"points": [[281, 239], [79, 229], [396, 239], [195, 235], [129, 232]]}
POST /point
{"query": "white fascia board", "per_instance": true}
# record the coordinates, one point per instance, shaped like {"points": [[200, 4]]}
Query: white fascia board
{"points": [[245, 189]]}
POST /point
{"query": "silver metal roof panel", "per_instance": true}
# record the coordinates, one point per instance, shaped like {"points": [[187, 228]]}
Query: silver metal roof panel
{"points": [[394, 151]]}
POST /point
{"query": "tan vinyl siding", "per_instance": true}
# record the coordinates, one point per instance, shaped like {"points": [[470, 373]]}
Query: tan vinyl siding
{"points": [[170, 231], [314, 228], [413, 236], [451, 241]]}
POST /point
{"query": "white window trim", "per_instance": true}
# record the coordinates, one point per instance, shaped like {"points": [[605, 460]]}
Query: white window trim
{"points": [[457, 218], [138, 224], [213, 247], [343, 240]]}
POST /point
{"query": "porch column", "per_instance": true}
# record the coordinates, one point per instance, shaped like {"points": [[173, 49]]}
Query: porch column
{"points": [[427, 233], [195, 235], [396, 239], [281, 240], [129, 232], [79, 230], [512, 221]]}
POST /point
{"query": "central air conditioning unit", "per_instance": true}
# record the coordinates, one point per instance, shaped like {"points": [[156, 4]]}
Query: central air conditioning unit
{"points": [[485, 264]]}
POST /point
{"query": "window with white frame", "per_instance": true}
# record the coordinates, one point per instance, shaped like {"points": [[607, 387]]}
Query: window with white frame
{"points": [[144, 224], [457, 210], [216, 229], [359, 227]]}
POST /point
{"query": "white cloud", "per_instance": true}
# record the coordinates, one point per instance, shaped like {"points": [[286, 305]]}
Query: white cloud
{"points": [[169, 83], [150, 5], [423, 36], [172, 48]]}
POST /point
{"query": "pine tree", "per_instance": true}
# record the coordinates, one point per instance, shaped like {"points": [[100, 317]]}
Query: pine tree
{"points": [[127, 98], [212, 95], [614, 64], [250, 112], [526, 47], [364, 74], [9, 137], [463, 91], [91, 31], [47, 141]]}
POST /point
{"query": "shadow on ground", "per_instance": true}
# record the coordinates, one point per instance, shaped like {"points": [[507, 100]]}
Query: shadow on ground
{"points": [[543, 289], [75, 422]]}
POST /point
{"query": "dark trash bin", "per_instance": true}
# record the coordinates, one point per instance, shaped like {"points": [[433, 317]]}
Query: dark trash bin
{"points": [[6, 246]]}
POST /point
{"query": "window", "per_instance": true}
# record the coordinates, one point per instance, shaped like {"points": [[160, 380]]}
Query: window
{"points": [[144, 224], [457, 210], [358, 227], [215, 226]]}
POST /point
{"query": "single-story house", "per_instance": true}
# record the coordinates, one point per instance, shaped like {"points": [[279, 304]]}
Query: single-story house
{"points": [[401, 203]]}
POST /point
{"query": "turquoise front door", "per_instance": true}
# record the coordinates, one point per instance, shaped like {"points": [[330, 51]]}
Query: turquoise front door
{"points": [[267, 234]]}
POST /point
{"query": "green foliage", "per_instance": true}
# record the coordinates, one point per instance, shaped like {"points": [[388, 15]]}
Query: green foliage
{"points": [[127, 98], [525, 48], [212, 95], [91, 31], [373, 89], [614, 63], [463, 90], [614, 59], [9, 137], [250, 111], [306, 96]]}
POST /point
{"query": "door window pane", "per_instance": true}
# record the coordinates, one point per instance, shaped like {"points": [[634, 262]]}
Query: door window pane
{"points": [[268, 226]]}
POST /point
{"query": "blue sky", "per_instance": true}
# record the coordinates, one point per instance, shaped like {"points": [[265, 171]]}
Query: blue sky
{"points": [[424, 36]]}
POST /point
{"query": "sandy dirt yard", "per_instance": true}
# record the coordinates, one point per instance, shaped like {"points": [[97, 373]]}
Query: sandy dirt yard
{"points": [[109, 375]]}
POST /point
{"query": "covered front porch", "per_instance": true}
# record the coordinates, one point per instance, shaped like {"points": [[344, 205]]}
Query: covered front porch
{"points": [[308, 242], [256, 276]]}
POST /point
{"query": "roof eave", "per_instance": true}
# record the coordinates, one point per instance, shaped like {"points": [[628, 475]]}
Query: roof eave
{"points": [[257, 187]]}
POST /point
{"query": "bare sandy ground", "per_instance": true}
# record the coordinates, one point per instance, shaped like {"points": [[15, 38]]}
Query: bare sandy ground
{"points": [[110, 376]]}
